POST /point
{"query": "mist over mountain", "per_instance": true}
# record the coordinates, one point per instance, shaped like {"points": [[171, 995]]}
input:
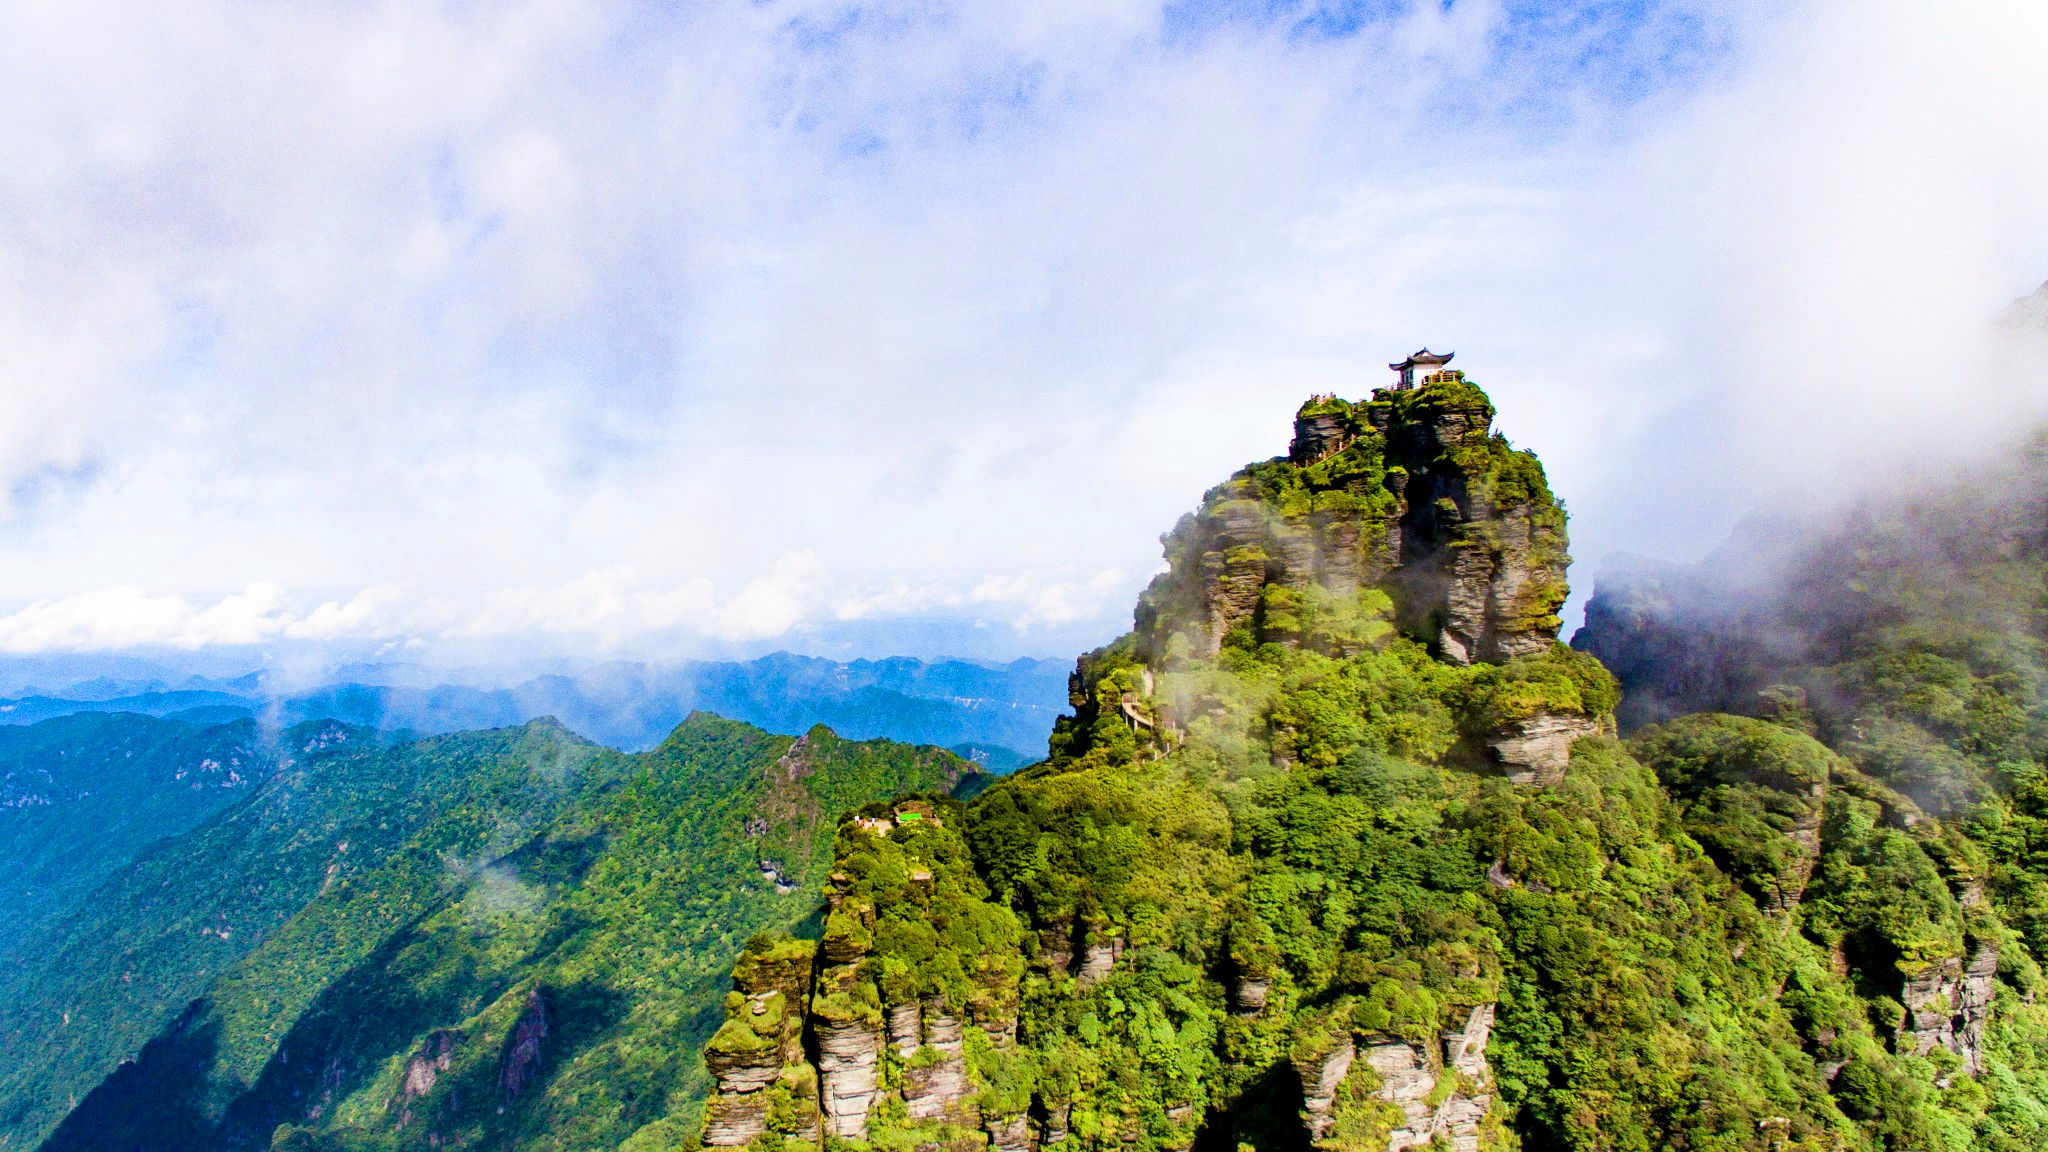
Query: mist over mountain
{"points": [[1005, 711], [1934, 599], [272, 958]]}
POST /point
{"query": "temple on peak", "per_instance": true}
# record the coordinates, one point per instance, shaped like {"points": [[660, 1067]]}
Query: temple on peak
{"points": [[1429, 363]]}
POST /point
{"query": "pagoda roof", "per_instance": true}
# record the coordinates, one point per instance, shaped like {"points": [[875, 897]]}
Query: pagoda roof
{"points": [[1423, 359]]}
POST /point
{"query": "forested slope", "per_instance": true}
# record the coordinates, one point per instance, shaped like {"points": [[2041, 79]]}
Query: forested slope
{"points": [[80, 795], [536, 925], [1911, 638]]}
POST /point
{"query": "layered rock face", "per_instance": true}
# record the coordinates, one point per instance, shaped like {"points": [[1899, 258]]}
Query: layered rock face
{"points": [[848, 1027], [1321, 1077], [935, 1085], [1373, 1092], [757, 1058], [1410, 492], [1948, 1005], [887, 1054], [1537, 750]]}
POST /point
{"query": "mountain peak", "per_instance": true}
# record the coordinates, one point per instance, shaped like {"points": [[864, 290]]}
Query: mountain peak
{"points": [[1409, 496]]}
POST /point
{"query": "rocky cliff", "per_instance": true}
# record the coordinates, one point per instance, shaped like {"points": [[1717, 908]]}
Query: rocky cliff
{"points": [[1376, 1090], [1403, 515], [757, 1058], [1412, 493], [829, 1038], [1337, 792]]}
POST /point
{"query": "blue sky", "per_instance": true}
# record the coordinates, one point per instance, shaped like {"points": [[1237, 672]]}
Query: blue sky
{"points": [[472, 332]]}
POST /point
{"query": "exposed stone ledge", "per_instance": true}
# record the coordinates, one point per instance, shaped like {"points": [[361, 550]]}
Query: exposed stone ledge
{"points": [[935, 1086], [1252, 994], [1947, 1007], [1537, 750], [1319, 1083], [1410, 1078], [848, 1051]]}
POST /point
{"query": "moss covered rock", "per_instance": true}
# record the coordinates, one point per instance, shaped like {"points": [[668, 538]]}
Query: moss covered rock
{"points": [[1411, 493]]}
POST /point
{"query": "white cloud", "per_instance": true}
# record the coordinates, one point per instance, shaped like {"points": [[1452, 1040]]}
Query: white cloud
{"points": [[608, 602], [774, 602], [126, 617], [606, 323], [607, 608], [371, 613], [1050, 602]]}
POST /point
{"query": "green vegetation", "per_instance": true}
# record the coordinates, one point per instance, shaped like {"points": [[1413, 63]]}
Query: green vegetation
{"points": [[1900, 666], [412, 916], [80, 795], [1341, 868], [1751, 793]]}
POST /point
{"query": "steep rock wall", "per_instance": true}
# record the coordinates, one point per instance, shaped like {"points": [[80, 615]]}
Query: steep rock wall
{"points": [[1410, 492], [1372, 1092], [894, 1051], [1948, 1006], [757, 1058]]}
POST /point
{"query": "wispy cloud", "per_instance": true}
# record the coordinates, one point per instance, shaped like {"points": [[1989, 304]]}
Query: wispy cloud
{"points": [[620, 323], [612, 609]]}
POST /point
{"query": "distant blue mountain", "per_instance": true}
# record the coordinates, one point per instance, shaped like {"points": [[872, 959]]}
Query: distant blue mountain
{"points": [[1004, 712]]}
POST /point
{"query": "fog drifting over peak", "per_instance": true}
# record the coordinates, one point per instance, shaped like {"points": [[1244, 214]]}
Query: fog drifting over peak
{"points": [[606, 328]]}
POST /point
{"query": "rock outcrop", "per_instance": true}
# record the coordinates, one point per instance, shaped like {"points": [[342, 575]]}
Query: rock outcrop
{"points": [[1947, 1006], [1098, 959], [848, 1026], [848, 1053], [1251, 995], [423, 1071], [1408, 1094], [757, 1057], [1321, 1075], [1410, 492], [1011, 1133], [1461, 1116], [882, 1057], [906, 1029], [1536, 750], [521, 1063], [1791, 883], [935, 1083]]}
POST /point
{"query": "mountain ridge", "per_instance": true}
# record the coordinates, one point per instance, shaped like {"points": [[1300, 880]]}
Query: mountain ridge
{"points": [[367, 893], [633, 706]]}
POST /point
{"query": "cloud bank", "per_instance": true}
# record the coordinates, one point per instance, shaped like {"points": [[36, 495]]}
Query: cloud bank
{"points": [[614, 327], [614, 609]]}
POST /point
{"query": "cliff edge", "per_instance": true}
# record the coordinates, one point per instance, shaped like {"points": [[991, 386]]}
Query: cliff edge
{"points": [[1411, 493]]}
